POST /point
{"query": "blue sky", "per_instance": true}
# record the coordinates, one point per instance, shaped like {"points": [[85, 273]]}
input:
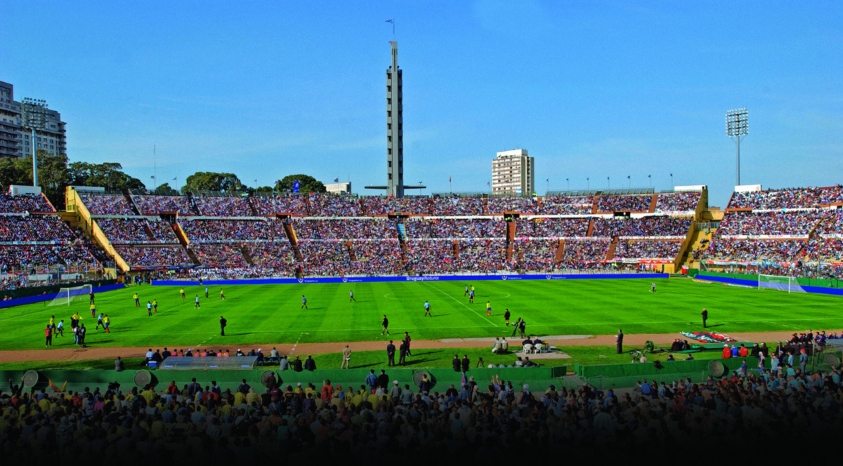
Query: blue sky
{"points": [[593, 89]]}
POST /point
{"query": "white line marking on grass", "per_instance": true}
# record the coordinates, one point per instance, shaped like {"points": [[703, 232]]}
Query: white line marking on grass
{"points": [[293, 349], [464, 305]]}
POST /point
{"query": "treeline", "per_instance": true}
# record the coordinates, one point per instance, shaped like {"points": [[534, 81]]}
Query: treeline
{"points": [[55, 173]]}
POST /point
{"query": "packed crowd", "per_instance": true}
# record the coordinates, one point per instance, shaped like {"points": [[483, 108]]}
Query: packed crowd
{"points": [[481, 255], [376, 257], [391, 205], [223, 206], [271, 205], [538, 227], [430, 257], [106, 204], [204, 231], [788, 198], [480, 421], [373, 228], [678, 202], [154, 256], [455, 228], [649, 249], [220, 255], [646, 226], [535, 254], [584, 250], [752, 250], [334, 206], [567, 205], [324, 258], [42, 228], [793, 223], [456, 206], [634, 203], [499, 205], [154, 205], [126, 230], [24, 203], [28, 257], [824, 249], [273, 255]]}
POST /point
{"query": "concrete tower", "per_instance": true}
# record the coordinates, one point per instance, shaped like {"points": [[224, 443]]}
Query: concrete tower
{"points": [[394, 128]]}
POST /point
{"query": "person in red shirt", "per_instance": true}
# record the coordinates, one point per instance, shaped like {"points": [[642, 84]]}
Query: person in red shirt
{"points": [[743, 352], [727, 353], [48, 335], [327, 392]]}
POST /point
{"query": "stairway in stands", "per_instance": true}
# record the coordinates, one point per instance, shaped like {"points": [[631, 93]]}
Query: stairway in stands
{"points": [[247, 256], [610, 254]]}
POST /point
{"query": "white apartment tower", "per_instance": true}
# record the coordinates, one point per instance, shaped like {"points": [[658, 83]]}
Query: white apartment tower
{"points": [[15, 140], [513, 174]]}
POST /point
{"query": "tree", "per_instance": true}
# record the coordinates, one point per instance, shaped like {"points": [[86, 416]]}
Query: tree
{"points": [[213, 182], [307, 184], [165, 190], [108, 175], [52, 174]]}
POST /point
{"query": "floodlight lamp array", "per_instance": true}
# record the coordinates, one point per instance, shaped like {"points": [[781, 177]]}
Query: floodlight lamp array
{"points": [[737, 122]]}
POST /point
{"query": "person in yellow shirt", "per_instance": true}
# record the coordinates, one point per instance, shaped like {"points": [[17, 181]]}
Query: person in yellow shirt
{"points": [[181, 291], [106, 322], [137, 299], [252, 397], [93, 310], [239, 397]]}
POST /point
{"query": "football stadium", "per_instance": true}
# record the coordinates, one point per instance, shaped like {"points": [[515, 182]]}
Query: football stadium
{"points": [[219, 322]]}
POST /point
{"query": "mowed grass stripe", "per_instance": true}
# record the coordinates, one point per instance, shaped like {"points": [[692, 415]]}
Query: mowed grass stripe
{"points": [[262, 314]]}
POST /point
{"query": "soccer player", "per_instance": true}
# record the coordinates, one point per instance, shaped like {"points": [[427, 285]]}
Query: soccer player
{"points": [[223, 323], [653, 287], [99, 322], [427, 308], [196, 302], [488, 308], [466, 291], [351, 296], [137, 299], [206, 291], [385, 324], [149, 308], [91, 297], [60, 328], [48, 334], [181, 291], [155, 306], [53, 323], [506, 316], [93, 310], [471, 295], [303, 302], [222, 295], [106, 322]]}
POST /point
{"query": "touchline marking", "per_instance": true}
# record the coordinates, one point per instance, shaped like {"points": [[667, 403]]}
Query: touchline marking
{"points": [[464, 305], [293, 349]]}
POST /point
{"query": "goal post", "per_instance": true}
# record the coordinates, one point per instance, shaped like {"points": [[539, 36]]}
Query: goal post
{"points": [[779, 282], [65, 296]]}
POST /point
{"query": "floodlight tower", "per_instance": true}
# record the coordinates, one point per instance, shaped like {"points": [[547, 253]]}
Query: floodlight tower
{"points": [[33, 116], [737, 127]]}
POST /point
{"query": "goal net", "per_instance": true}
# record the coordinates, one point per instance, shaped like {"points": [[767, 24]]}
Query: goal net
{"points": [[778, 282], [65, 296]]}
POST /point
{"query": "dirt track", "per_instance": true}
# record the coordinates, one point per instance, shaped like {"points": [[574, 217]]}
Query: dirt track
{"points": [[634, 340]]}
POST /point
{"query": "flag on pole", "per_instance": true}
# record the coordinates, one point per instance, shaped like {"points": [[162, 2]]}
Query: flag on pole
{"points": [[336, 180], [174, 179], [391, 20], [449, 179]]}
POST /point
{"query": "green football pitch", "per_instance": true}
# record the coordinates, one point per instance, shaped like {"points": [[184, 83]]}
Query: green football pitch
{"points": [[267, 314]]}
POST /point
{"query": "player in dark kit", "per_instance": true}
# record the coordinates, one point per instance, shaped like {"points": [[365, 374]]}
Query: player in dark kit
{"points": [[385, 324], [506, 316], [223, 323]]}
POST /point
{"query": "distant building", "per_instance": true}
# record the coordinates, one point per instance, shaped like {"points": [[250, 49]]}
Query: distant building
{"points": [[513, 173], [15, 140], [338, 188]]}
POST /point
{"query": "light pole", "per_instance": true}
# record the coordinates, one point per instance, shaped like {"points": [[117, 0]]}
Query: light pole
{"points": [[608, 183], [650, 180], [588, 184], [629, 180], [737, 127], [568, 181], [33, 116], [671, 181], [421, 191]]}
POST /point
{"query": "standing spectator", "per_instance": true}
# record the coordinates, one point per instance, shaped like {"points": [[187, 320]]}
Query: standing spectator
{"points": [[390, 354], [704, 316], [466, 364], [619, 342], [346, 357]]}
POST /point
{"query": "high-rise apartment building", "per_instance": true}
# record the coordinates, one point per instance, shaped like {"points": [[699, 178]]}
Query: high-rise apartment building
{"points": [[16, 140], [513, 173]]}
